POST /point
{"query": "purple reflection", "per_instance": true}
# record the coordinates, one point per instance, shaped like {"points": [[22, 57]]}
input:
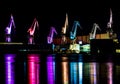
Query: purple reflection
{"points": [[9, 69], [50, 69]]}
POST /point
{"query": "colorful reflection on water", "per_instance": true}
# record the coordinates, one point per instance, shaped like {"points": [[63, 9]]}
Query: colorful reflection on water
{"points": [[33, 69], [76, 69], [93, 72], [71, 69], [50, 69], [110, 72], [65, 76], [10, 68]]}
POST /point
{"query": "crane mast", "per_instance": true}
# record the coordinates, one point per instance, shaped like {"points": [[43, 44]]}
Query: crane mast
{"points": [[74, 30], [64, 29], [9, 27], [32, 28], [93, 31], [65, 25], [51, 35], [109, 25]]}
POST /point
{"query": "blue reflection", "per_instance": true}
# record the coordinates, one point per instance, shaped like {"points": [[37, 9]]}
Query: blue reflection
{"points": [[73, 71], [76, 70], [80, 69]]}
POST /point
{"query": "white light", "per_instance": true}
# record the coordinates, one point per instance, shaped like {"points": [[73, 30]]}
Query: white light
{"points": [[80, 42]]}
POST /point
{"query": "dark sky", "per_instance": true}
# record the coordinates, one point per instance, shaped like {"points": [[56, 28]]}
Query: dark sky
{"points": [[53, 14]]}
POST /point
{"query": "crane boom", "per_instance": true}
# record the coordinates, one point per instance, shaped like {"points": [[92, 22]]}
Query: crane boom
{"points": [[12, 20], [64, 29], [93, 31], [31, 31], [109, 25], [65, 25], [9, 27], [74, 30], [35, 24], [51, 34], [74, 47]]}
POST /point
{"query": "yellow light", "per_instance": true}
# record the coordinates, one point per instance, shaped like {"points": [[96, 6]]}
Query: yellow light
{"points": [[10, 43], [117, 50]]}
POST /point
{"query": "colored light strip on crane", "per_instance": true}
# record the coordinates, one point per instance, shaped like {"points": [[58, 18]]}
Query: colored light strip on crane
{"points": [[50, 69], [33, 69], [9, 69]]}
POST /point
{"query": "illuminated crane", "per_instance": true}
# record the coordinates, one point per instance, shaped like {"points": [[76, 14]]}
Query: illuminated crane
{"points": [[51, 34], [74, 47], [8, 29], [31, 31], [64, 29], [93, 31], [65, 25], [50, 37], [109, 25], [74, 30]]}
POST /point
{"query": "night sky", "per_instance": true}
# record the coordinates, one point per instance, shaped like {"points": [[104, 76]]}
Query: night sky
{"points": [[53, 14]]}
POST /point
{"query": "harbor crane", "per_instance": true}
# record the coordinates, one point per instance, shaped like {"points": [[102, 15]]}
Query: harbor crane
{"points": [[51, 35], [64, 29], [109, 25], [93, 31], [74, 30], [8, 29], [74, 47], [31, 31]]}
